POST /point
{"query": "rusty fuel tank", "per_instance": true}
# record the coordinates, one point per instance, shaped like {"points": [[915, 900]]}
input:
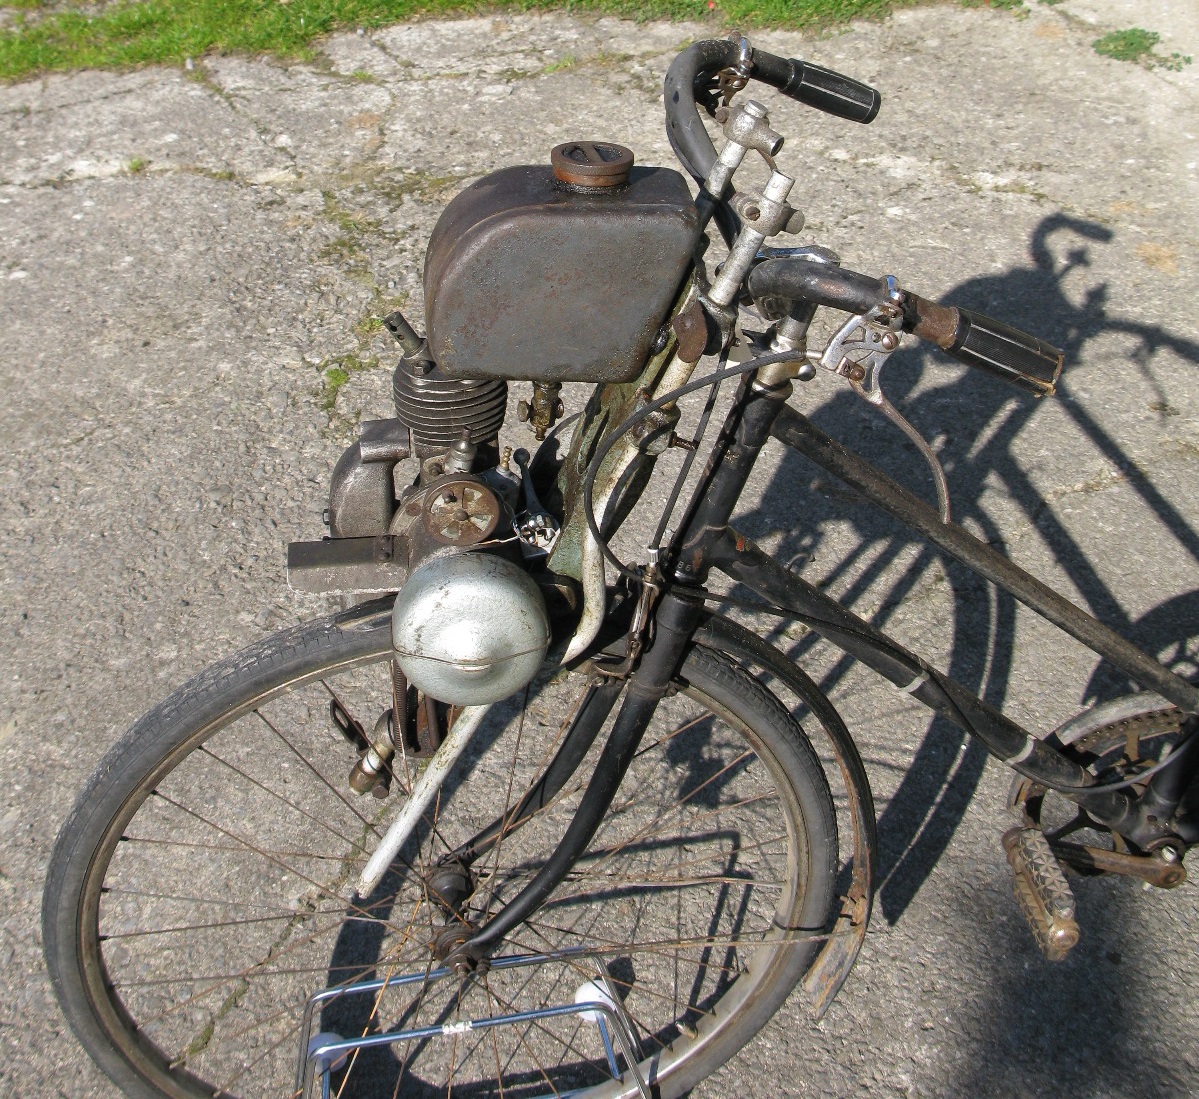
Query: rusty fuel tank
{"points": [[562, 273]]}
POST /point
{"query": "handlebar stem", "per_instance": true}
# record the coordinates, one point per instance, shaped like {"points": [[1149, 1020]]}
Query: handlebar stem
{"points": [[764, 216], [746, 126]]}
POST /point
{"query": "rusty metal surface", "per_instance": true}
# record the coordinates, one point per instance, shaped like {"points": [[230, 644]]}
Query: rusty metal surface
{"points": [[691, 329], [348, 566], [930, 321], [1077, 856], [526, 280], [461, 512], [592, 163]]}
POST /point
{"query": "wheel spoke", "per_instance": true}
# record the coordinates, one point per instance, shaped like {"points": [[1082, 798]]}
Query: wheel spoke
{"points": [[222, 900]]}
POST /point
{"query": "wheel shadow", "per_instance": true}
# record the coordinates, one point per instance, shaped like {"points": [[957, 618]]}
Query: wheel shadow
{"points": [[977, 452]]}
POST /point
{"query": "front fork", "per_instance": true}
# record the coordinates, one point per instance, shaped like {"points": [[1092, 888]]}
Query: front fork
{"points": [[676, 618]]}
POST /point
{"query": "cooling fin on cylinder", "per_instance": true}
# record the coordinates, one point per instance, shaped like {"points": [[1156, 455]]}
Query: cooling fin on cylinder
{"points": [[437, 409]]}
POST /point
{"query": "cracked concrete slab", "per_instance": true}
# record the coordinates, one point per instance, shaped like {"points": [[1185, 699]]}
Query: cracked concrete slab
{"points": [[169, 423]]}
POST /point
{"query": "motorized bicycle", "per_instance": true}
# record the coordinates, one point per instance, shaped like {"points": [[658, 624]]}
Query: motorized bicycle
{"points": [[526, 819]]}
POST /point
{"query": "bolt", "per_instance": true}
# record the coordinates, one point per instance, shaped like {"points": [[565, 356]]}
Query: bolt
{"points": [[1168, 854], [751, 212], [856, 372], [890, 341], [754, 109]]}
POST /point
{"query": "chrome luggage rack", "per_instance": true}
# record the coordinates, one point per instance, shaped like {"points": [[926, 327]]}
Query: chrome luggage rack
{"points": [[596, 1001]]}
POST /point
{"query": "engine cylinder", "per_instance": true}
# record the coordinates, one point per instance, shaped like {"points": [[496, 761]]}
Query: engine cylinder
{"points": [[436, 409]]}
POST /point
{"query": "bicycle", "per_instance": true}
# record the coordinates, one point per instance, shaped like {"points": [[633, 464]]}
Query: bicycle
{"points": [[238, 905]]}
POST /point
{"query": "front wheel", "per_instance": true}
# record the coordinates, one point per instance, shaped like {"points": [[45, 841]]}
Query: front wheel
{"points": [[202, 889]]}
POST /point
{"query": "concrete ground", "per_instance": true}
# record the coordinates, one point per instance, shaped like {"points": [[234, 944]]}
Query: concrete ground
{"points": [[184, 253]]}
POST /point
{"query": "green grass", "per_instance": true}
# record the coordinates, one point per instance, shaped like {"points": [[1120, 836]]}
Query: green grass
{"points": [[1137, 45], [137, 33]]}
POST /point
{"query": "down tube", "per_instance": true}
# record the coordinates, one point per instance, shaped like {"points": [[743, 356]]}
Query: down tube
{"points": [[744, 562]]}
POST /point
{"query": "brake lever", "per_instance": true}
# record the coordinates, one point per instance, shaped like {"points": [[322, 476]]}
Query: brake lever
{"points": [[858, 353]]}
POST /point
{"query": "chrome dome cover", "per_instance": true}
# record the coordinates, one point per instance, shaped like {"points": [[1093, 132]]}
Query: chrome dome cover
{"points": [[470, 629]]}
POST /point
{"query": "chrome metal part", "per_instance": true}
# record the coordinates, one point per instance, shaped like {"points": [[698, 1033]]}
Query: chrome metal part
{"points": [[422, 794], [460, 458], [772, 214], [736, 76], [746, 126], [858, 352], [470, 629], [370, 775], [324, 1053]]}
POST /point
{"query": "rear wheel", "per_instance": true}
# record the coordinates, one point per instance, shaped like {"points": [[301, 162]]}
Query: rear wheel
{"points": [[202, 889]]}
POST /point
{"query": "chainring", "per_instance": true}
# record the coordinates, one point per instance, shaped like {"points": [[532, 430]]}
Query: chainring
{"points": [[1114, 741]]}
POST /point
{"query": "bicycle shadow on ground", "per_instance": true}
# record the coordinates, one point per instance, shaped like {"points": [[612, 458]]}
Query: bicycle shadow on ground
{"points": [[987, 417]]}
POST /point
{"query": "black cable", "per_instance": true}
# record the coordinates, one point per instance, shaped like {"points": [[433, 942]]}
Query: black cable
{"points": [[701, 429], [632, 421]]}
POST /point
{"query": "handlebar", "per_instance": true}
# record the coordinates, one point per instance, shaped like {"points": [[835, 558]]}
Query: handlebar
{"points": [[983, 342], [695, 67], [814, 86], [972, 338], [806, 83]]}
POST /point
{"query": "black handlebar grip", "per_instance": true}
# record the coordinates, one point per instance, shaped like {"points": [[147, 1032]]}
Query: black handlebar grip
{"points": [[824, 89], [1006, 352], [990, 345]]}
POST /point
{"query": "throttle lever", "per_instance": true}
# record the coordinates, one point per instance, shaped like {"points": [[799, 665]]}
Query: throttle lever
{"points": [[859, 351], [536, 529]]}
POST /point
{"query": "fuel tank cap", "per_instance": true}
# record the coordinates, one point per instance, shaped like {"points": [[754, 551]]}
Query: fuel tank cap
{"points": [[592, 163]]}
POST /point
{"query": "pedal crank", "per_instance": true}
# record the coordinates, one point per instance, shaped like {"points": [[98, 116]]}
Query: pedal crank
{"points": [[1042, 891], [1165, 873]]}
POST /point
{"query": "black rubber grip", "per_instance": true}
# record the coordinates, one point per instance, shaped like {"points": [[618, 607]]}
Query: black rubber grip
{"points": [[1006, 352], [814, 86], [818, 283]]}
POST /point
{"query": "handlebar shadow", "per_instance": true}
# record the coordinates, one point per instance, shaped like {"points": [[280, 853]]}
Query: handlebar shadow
{"points": [[1041, 1037], [925, 810]]}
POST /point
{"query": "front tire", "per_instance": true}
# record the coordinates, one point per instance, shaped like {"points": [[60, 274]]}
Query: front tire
{"points": [[200, 891]]}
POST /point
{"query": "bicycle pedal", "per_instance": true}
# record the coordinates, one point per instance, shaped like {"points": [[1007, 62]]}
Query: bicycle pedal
{"points": [[1042, 891]]}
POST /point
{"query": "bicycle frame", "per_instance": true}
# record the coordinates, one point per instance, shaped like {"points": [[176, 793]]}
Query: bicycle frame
{"points": [[707, 542]]}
